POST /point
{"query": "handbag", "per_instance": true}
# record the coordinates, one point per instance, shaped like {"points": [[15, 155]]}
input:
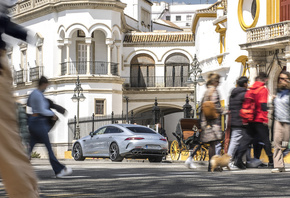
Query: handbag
{"points": [[211, 133]]}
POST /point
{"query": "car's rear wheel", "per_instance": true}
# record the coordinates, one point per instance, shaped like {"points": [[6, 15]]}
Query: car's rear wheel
{"points": [[155, 159], [115, 153], [78, 152]]}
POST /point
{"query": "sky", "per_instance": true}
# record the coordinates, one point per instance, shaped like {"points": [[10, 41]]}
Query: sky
{"points": [[188, 1]]}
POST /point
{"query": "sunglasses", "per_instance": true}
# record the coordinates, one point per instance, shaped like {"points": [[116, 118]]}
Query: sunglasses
{"points": [[283, 78]]}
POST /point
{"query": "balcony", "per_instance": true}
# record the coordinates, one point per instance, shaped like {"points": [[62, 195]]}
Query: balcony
{"points": [[19, 76], [268, 35], [96, 68], [35, 73], [155, 81]]}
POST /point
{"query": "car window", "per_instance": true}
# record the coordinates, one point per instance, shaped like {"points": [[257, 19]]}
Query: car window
{"points": [[112, 129], [140, 130], [100, 131]]}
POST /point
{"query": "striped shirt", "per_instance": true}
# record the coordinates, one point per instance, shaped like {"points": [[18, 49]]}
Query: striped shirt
{"points": [[282, 108]]}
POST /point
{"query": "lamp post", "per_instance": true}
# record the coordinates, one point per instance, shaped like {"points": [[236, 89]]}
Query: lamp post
{"points": [[77, 97], [156, 112], [127, 101], [195, 72]]}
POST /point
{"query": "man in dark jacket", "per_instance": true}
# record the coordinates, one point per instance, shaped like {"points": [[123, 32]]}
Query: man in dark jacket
{"points": [[258, 128], [235, 105]]}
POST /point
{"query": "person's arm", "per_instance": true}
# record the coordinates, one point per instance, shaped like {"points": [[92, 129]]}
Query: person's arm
{"points": [[263, 100]]}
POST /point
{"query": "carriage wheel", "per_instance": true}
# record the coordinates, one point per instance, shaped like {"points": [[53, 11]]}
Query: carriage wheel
{"points": [[204, 152], [184, 150], [198, 154], [174, 150]]}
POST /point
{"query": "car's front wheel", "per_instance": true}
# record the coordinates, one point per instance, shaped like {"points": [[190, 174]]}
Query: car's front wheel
{"points": [[78, 152], [155, 159], [115, 153]]}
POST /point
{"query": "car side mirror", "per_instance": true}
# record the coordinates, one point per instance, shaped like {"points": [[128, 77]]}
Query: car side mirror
{"points": [[91, 134]]}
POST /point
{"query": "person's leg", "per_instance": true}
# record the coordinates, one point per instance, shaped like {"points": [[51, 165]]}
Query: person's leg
{"points": [[17, 173], [218, 148], [263, 133], [236, 137], [244, 145], [211, 152], [278, 138], [39, 130]]}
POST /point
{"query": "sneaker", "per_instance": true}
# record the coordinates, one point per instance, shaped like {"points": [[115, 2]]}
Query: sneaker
{"points": [[64, 172], [189, 164], [278, 170], [232, 166], [270, 165], [240, 165]]}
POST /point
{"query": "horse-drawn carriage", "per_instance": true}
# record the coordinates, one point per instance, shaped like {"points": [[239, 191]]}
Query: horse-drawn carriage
{"points": [[188, 138]]}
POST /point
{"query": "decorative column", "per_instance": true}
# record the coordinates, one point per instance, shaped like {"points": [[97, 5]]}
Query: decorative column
{"points": [[252, 68], [88, 42], [109, 43], [287, 56], [118, 45], [67, 43], [60, 45]]}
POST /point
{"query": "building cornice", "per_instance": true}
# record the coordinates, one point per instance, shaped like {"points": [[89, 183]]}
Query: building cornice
{"points": [[30, 9]]}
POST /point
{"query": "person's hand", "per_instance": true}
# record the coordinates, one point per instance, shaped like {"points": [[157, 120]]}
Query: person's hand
{"points": [[54, 117]]}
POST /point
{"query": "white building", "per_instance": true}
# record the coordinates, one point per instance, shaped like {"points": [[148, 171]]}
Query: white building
{"points": [[113, 49], [179, 14]]}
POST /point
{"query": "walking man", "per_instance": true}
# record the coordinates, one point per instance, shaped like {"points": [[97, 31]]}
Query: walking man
{"points": [[258, 127], [39, 125]]}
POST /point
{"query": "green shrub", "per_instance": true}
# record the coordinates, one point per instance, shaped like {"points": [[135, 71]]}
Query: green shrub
{"points": [[35, 155]]}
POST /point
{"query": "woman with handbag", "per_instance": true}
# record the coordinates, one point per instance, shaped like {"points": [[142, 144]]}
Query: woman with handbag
{"points": [[281, 121], [211, 116]]}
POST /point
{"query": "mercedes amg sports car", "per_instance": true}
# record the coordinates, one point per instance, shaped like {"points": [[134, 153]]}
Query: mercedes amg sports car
{"points": [[119, 141]]}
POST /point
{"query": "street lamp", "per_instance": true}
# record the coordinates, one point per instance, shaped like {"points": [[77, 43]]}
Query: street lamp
{"points": [[195, 72], [127, 101], [77, 97]]}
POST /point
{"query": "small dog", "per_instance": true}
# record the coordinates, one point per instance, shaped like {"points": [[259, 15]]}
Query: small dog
{"points": [[219, 162]]}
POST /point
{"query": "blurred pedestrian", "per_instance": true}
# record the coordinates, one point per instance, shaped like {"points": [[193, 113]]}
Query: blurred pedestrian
{"points": [[281, 120], [237, 128], [211, 116], [258, 126], [160, 130], [39, 125], [16, 171], [23, 127]]}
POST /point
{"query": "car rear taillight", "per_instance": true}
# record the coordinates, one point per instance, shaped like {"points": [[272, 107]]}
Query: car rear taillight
{"points": [[134, 138], [163, 139]]}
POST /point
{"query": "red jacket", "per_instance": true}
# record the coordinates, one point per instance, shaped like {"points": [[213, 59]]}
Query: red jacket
{"points": [[261, 97]]}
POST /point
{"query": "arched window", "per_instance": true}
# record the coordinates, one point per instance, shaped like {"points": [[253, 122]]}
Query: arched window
{"points": [[142, 73], [176, 70]]}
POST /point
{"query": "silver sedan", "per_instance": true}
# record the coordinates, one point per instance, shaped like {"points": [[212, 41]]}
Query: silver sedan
{"points": [[119, 141]]}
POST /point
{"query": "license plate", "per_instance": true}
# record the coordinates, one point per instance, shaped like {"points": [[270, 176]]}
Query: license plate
{"points": [[152, 147]]}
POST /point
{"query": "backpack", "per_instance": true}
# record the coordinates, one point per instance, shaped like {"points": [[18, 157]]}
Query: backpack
{"points": [[248, 110], [208, 107]]}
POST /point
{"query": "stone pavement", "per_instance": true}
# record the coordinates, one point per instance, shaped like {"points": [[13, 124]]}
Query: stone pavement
{"points": [[139, 178]]}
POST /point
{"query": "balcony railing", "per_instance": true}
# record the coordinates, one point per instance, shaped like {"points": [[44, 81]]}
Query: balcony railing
{"points": [[96, 67], [156, 81], [268, 32], [35, 73], [19, 76]]}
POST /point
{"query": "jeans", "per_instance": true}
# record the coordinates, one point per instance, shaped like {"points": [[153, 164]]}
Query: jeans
{"points": [[255, 130], [236, 136], [39, 128]]}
